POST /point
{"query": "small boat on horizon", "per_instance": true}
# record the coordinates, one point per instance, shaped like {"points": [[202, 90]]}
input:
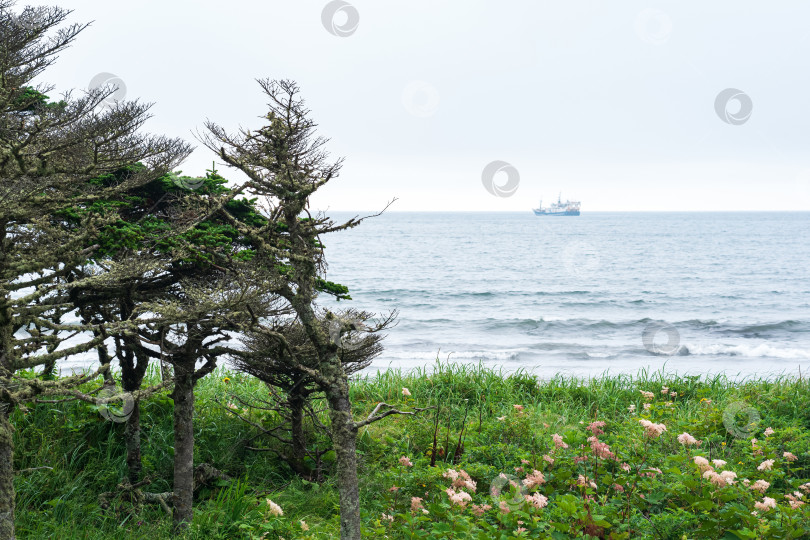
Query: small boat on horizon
{"points": [[559, 208]]}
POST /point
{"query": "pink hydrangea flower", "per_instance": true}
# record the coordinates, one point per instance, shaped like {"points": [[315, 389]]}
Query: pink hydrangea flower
{"points": [[405, 462], [790, 457], [765, 465]]}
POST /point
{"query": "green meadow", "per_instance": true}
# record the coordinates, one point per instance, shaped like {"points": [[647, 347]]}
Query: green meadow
{"points": [[491, 455]]}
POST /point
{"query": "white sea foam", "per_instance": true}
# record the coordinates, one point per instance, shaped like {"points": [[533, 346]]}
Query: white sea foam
{"points": [[501, 354], [761, 350]]}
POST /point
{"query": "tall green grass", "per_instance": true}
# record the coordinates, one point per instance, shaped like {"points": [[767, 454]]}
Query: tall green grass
{"points": [[86, 453]]}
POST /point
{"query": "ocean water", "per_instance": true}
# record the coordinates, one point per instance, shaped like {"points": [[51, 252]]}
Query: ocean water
{"points": [[692, 293]]}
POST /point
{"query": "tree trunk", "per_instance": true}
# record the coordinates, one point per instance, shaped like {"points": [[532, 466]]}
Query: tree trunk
{"points": [[132, 437], [183, 396], [296, 404], [133, 364], [6, 476], [344, 440]]}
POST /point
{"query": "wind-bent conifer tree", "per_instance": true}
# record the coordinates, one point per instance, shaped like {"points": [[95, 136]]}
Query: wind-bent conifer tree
{"points": [[285, 164], [49, 155]]}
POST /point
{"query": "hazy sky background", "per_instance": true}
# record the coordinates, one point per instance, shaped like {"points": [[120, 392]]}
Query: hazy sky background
{"points": [[611, 103]]}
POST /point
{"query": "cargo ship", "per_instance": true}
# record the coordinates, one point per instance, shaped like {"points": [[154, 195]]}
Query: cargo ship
{"points": [[559, 208]]}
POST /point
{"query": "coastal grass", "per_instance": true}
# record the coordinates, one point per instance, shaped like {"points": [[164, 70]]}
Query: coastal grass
{"points": [[476, 427]]}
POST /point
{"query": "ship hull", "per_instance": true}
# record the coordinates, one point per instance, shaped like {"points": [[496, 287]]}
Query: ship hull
{"points": [[566, 213]]}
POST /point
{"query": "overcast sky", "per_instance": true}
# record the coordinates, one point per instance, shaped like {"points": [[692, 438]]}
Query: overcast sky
{"points": [[610, 103]]}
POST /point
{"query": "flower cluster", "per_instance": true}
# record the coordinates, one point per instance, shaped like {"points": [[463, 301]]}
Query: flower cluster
{"points": [[273, 509], [793, 499], [558, 441], [461, 480], [766, 504], [703, 463], [687, 440], [535, 479], [584, 481], [600, 449], [595, 427], [480, 510], [760, 485], [460, 498], [651, 472], [537, 500], [651, 429], [721, 479]]}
